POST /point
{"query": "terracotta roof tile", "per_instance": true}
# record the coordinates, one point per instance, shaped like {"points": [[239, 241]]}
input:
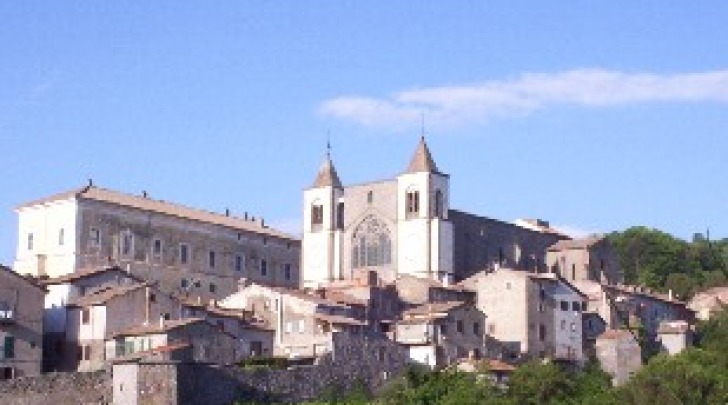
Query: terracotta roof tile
{"points": [[433, 309], [162, 207], [105, 295]]}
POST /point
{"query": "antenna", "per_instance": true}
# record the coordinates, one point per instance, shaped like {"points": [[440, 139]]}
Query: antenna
{"points": [[328, 144], [422, 124]]}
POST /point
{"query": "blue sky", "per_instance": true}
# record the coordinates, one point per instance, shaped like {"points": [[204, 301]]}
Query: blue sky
{"points": [[593, 115]]}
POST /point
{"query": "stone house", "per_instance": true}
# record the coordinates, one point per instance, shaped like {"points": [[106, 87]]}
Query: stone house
{"points": [[674, 336], [255, 338], [619, 354], [624, 306], [64, 289], [93, 318], [303, 321], [405, 226], [417, 291], [206, 342], [380, 302], [530, 315], [438, 334], [21, 325], [186, 250], [591, 258], [706, 303]]}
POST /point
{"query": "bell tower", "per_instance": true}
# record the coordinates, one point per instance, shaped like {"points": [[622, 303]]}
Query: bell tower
{"points": [[423, 227], [322, 213]]}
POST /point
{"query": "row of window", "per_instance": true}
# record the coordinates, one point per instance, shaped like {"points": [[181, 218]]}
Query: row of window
{"points": [[412, 209], [61, 239], [575, 306], [460, 328]]}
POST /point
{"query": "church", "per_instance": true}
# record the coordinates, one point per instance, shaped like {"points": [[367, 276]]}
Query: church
{"points": [[405, 226]]}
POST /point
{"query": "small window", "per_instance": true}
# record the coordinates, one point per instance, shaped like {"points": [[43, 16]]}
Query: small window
{"points": [[476, 328], [576, 306], [583, 306], [85, 316], [564, 305], [459, 326], [152, 297], [289, 326], [9, 347], [239, 262], [263, 267], [443, 329], [491, 328], [184, 283], [30, 241], [86, 352], [184, 253], [301, 326], [157, 247], [94, 237], [340, 215], [61, 237], [438, 204], [317, 216], [211, 259], [213, 288], [573, 271], [127, 243], [381, 353], [287, 271], [541, 332]]}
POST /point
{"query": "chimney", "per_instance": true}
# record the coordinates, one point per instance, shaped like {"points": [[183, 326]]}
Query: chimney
{"points": [[147, 305], [669, 294], [246, 215], [161, 321], [227, 212], [90, 182], [144, 194]]}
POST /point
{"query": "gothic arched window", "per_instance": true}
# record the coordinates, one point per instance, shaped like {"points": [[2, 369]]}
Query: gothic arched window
{"points": [[413, 203], [371, 244]]}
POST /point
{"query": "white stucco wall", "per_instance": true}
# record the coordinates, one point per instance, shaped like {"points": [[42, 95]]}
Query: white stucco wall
{"points": [[47, 256]]}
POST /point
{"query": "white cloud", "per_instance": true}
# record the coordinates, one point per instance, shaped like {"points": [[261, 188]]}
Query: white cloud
{"points": [[478, 103], [575, 232]]}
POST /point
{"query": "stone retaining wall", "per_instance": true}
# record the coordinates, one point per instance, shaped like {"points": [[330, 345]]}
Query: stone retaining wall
{"points": [[58, 389], [371, 363]]}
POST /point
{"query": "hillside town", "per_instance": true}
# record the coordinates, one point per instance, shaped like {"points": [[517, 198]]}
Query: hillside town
{"points": [[107, 280]]}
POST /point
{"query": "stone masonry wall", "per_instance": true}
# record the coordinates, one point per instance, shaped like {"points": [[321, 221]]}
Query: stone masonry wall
{"points": [[371, 362], [58, 389]]}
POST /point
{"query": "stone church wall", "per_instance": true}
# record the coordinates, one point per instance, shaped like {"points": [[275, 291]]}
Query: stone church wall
{"points": [[481, 242]]}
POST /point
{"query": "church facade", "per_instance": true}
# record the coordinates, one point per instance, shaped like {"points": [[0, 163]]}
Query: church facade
{"points": [[405, 226]]}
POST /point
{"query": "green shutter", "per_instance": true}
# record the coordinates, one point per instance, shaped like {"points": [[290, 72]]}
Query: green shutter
{"points": [[9, 347]]}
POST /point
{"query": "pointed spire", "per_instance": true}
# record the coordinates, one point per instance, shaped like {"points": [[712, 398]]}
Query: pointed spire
{"points": [[327, 175], [422, 160]]}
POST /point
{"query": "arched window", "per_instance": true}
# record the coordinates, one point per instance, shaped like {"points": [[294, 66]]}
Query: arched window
{"points": [[317, 216], [438, 204], [371, 244], [413, 203]]}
